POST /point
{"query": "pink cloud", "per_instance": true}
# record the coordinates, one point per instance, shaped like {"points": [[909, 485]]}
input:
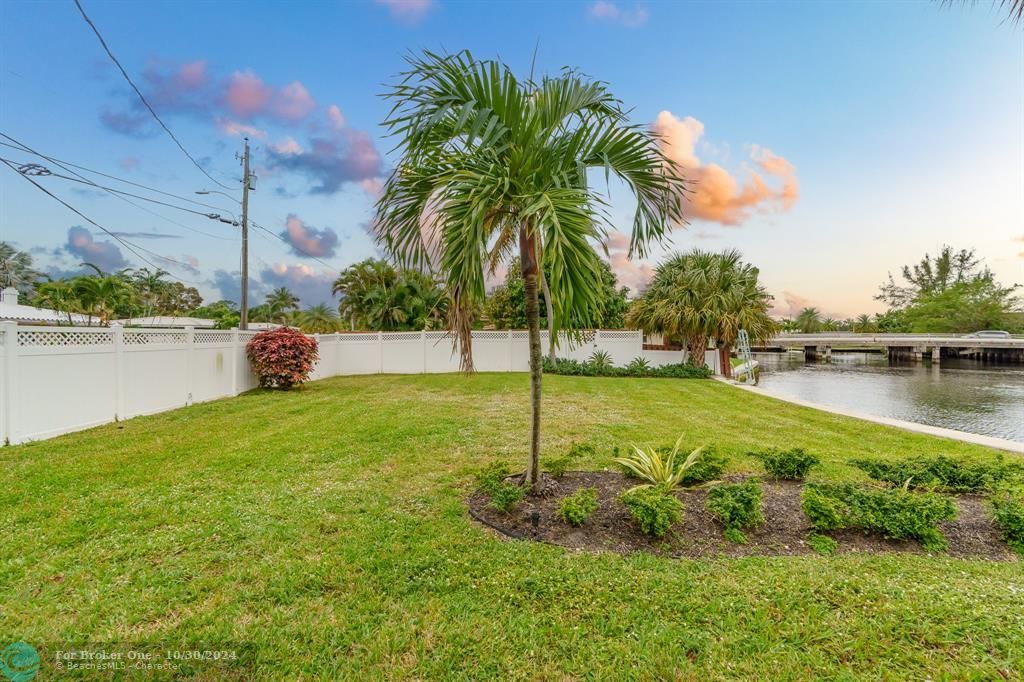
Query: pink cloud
{"points": [[716, 195], [335, 116], [235, 128], [293, 102], [129, 163], [246, 94], [407, 11], [308, 241], [633, 274]]}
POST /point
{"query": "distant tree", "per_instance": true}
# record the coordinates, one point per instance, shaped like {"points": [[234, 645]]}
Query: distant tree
{"points": [[224, 312], [700, 295], [952, 292], [505, 306], [865, 324], [279, 303], [58, 295], [358, 284], [16, 270], [808, 320], [318, 319]]}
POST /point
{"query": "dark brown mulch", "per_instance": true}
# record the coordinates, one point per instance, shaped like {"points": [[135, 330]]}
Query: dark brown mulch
{"points": [[784, 532]]}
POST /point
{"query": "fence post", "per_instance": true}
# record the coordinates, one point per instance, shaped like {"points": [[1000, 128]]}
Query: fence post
{"points": [[117, 334], [337, 353], [7, 432], [380, 352], [234, 361], [423, 344], [597, 342], [190, 340]]}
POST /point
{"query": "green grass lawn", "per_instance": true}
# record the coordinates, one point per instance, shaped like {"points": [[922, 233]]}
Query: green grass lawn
{"points": [[326, 528]]}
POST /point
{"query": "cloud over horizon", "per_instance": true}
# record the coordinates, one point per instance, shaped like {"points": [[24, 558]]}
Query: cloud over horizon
{"points": [[105, 255], [307, 241], [633, 274], [715, 194]]}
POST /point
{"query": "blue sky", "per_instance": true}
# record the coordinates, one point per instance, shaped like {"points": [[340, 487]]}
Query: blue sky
{"points": [[834, 141]]}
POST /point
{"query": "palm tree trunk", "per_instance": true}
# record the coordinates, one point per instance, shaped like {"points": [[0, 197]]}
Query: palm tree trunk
{"points": [[551, 317], [724, 362], [697, 346], [529, 269]]}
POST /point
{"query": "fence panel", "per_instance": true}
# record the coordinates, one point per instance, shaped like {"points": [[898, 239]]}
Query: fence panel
{"points": [[54, 380]]}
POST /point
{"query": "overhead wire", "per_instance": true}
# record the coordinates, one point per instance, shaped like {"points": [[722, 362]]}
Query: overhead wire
{"points": [[131, 246], [143, 98]]}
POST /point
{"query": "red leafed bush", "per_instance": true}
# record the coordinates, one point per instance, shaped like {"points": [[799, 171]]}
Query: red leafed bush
{"points": [[282, 357]]}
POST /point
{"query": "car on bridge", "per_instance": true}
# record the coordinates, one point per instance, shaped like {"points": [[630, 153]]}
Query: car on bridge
{"points": [[988, 334]]}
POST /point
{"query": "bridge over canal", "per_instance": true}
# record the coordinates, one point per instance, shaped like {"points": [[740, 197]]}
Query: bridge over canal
{"points": [[932, 347]]}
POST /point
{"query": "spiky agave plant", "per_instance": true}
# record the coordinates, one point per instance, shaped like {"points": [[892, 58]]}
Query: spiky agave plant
{"points": [[663, 472]]}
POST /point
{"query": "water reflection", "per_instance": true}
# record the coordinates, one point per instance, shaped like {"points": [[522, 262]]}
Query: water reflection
{"points": [[966, 395]]}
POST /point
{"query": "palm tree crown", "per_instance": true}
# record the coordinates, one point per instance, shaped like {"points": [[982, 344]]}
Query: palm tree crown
{"points": [[490, 162]]}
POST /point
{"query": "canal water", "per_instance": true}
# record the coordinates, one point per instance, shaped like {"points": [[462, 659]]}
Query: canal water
{"points": [[965, 395]]}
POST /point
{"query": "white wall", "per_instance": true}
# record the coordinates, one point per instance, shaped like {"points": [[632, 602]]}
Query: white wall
{"points": [[55, 380]]}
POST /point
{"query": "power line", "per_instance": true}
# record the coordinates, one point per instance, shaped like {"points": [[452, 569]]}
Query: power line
{"points": [[141, 97], [42, 170], [21, 146], [134, 248]]}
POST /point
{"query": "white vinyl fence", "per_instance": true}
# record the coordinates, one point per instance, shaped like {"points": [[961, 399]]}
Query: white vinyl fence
{"points": [[55, 380]]}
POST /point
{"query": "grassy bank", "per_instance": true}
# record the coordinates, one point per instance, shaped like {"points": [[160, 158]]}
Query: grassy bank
{"points": [[326, 528]]}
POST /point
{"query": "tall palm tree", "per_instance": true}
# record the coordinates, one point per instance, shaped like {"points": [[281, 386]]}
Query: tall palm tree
{"points": [[501, 164], [149, 285], [701, 295]]}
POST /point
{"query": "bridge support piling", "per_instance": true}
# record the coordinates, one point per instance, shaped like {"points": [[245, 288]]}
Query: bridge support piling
{"points": [[936, 355]]}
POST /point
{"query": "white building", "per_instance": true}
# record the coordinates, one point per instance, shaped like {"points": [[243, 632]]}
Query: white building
{"points": [[11, 310]]}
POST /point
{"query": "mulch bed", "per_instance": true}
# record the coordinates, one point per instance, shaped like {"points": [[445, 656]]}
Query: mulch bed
{"points": [[610, 528]]}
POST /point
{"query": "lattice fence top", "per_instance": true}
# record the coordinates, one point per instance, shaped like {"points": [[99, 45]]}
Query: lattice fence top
{"points": [[57, 339], [134, 338], [357, 337], [212, 337], [620, 334]]}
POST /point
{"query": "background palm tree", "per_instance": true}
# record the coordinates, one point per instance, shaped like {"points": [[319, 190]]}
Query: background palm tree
{"points": [[318, 319], [809, 320], [279, 303], [358, 285], [501, 165], [16, 270], [700, 295], [864, 324]]}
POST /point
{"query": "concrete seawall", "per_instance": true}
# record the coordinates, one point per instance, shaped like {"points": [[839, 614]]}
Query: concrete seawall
{"points": [[974, 438]]}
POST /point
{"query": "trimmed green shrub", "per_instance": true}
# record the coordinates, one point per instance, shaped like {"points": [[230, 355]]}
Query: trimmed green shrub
{"points": [[654, 509], [502, 494], [895, 513], [601, 361], [957, 475], [1008, 510], [575, 508], [557, 466], [708, 467], [822, 544], [792, 464], [737, 506], [602, 369]]}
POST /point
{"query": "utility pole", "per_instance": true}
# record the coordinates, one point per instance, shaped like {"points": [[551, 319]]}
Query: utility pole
{"points": [[243, 322]]}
